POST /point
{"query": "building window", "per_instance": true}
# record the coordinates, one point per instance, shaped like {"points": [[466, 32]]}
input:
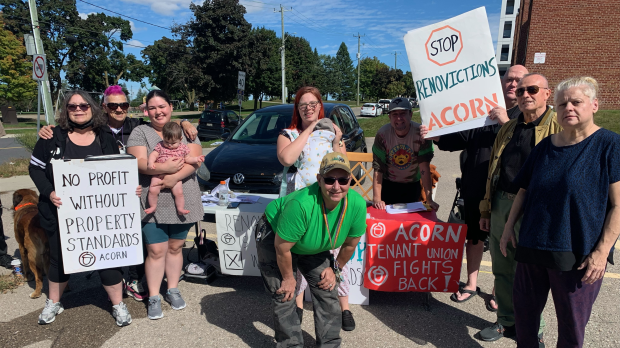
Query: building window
{"points": [[510, 7], [504, 55], [507, 29]]}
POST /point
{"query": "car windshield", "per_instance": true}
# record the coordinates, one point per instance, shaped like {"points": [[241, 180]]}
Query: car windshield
{"points": [[369, 105], [384, 101], [211, 116], [263, 127]]}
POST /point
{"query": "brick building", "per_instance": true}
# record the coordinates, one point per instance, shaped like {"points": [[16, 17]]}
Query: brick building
{"points": [[577, 38]]}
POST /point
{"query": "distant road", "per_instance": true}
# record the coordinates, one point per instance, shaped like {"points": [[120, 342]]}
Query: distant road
{"points": [[10, 149]]}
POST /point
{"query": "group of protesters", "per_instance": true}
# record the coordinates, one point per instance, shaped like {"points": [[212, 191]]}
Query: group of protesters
{"points": [[541, 185]]}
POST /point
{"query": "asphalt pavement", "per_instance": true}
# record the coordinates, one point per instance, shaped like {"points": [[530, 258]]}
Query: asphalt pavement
{"points": [[11, 149], [235, 311]]}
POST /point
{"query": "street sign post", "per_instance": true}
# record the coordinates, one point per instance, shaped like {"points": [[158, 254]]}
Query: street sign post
{"points": [[39, 65], [241, 81]]}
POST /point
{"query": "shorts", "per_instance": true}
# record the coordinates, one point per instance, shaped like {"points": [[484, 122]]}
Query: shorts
{"points": [[158, 233]]}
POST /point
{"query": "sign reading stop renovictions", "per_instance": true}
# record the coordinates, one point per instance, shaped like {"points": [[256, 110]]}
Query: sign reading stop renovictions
{"points": [[419, 256]]}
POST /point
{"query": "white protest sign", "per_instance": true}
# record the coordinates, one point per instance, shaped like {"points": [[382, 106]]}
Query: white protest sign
{"points": [[99, 219], [455, 73], [358, 294], [236, 242]]}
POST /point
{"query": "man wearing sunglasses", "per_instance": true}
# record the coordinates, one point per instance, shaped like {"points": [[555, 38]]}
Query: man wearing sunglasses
{"points": [[401, 158], [298, 231], [512, 146]]}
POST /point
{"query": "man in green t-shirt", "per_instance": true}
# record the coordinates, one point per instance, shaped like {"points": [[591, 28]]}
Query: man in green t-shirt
{"points": [[297, 232]]}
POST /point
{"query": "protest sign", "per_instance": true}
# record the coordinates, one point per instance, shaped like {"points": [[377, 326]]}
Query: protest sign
{"points": [[237, 245], [455, 73], [422, 256], [358, 294], [99, 219]]}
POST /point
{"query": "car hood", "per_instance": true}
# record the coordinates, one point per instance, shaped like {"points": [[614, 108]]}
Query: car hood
{"points": [[233, 157]]}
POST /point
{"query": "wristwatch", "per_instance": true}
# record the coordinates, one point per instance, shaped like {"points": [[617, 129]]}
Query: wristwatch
{"points": [[183, 120]]}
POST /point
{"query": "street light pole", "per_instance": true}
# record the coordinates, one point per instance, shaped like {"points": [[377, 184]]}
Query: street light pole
{"points": [[358, 66], [282, 10]]}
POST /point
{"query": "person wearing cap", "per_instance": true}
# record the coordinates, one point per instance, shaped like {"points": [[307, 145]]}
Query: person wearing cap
{"points": [[401, 159], [298, 232]]}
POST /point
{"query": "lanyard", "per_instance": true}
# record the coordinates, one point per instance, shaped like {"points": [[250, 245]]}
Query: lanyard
{"points": [[341, 215]]}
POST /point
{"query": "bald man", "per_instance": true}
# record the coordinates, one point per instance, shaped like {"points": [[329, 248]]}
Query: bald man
{"points": [[512, 146], [476, 145]]}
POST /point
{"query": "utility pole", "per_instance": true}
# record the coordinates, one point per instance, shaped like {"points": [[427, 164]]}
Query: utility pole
{"points": [[45, 88], [282, 10], [395, 56], [358, 66]]}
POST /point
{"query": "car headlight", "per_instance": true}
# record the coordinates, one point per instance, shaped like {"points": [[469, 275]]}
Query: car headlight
{"points": [[277, 179], [203, 173]]}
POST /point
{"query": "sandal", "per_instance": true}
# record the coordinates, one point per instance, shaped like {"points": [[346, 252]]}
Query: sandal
{"points": [[488, 304], [471, 293]]}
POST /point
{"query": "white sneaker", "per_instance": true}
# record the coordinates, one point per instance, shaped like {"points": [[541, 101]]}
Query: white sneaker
{"points": [[121, 314], [50, 312]]}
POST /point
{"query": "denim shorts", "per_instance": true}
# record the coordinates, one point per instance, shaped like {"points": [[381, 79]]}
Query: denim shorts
{"points": [[158, 233]]}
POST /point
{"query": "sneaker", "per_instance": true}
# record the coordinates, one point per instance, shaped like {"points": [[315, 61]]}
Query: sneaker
{"points": [[50, 312], [121, 314], [348, 324], [5, 261], [541, 341], [173, 296], [135, 290], [154, 311], [497, 331]]}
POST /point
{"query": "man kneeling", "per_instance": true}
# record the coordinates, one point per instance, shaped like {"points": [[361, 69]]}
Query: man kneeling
{"points": [[297, 232]]}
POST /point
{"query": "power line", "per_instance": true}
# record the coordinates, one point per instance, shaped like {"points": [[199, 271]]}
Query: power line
{"points": [[122, 15]]}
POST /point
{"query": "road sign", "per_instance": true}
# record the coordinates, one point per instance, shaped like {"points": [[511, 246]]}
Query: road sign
{"points": [[241, 81], [38, 67]]}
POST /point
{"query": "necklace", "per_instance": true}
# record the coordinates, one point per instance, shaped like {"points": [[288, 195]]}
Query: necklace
{"points": [[341, 215]]}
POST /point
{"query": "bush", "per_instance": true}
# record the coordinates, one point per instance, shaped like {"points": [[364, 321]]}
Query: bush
{"points": [[27, 140]]}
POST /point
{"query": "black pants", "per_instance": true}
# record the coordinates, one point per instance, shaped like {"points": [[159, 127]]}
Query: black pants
{"points": [[396, 192], [56, 273]]}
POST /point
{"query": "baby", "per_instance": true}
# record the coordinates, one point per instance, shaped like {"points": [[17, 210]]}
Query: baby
{"points": [[170, 147]]}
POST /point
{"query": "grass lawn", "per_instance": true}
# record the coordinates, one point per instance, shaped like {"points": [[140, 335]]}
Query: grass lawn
{"points": [[18, 167], [608, 119], [208, 143], [372, 125], [21, 131]]}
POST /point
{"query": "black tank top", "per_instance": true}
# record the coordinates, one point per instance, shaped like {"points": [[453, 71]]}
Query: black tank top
{"points": [[73, 151]]}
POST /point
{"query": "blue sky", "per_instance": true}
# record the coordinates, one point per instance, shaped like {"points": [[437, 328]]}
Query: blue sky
{"points": [[324, 23]]}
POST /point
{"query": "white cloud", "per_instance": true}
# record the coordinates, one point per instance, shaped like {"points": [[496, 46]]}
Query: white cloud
{"points": [[85, 15], [135, 29], [164, 7], [135, 42]]}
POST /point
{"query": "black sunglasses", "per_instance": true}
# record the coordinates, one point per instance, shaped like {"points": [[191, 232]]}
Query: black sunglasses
{"points": [[74, 107], [531, 90], [341, 181], [114, 106]]}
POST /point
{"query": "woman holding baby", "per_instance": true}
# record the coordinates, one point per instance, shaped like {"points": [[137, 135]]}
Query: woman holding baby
{"points": [[165, 228], [302, 145]]}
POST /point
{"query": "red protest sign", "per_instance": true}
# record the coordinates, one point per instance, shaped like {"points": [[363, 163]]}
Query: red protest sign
{"points": [[422, 255]]}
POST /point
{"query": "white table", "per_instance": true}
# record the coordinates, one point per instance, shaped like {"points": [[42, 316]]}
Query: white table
{"points": [[257, 207]]}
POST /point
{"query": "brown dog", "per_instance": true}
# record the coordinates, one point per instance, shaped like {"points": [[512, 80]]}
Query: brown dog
{"points": [[33, 245]]}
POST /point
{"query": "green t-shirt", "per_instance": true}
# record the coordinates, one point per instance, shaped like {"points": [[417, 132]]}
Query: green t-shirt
{"points": [[298, 218]]}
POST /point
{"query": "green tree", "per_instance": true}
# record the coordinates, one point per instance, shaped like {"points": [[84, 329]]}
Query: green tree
{"points": [[300, 64], [16, 82], [264, 77], [409, 85], [346, 74], [137, 101], [218, 36], [373, 78]]}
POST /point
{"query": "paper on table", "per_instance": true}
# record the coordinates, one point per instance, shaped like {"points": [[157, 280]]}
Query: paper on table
{"points": [[248, 199], [411, 208]]}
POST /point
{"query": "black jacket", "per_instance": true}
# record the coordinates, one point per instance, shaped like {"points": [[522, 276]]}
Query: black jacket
{"points": [[128, 126], [43, 176], [478, 144]]}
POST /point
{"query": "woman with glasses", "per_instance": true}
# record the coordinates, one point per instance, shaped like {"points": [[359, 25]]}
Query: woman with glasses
{"points": [[120, 126], [79, 134], [297, 233], [301, 146]]}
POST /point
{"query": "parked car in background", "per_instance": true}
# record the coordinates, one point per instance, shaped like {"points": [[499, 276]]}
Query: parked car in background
{"points": [[385, 105], [214, 123], [370, 109], [413, 102], [248, 154]]}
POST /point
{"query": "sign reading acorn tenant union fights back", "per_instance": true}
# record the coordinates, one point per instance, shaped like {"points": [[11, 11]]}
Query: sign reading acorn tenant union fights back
{"points": [[455, 73], [422, 256]]}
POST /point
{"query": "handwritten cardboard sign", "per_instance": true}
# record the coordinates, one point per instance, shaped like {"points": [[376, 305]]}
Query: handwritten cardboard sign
{"points": [[99, 219], [422, 256], [455, 73], [236, 242]]}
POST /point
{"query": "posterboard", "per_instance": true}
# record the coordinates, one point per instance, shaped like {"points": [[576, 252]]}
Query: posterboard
{"points": [[236, 242], [455, 73], [99, 219], [419, 256]]}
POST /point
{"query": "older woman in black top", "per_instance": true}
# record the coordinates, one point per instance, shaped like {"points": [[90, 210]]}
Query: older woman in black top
{"points": [[79, 134], [570, 200]]}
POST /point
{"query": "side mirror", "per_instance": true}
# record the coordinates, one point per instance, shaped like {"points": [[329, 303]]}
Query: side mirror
{"points": [[225, 135]]}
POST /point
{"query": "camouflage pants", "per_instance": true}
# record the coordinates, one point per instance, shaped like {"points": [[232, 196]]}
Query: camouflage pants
{"points": [[327, 314]]}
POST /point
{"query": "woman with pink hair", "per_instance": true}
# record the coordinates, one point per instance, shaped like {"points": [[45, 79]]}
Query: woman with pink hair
{"points": [[115, 105]]}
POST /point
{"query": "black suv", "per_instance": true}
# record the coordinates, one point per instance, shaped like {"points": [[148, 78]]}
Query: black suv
{"points": [[214, 123], [248, 155]]}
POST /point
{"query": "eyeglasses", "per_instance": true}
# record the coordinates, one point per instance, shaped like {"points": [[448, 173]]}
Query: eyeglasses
{"points": [[342, 181], [304, 106], [114, 106], [531, 90], [74, 107]]}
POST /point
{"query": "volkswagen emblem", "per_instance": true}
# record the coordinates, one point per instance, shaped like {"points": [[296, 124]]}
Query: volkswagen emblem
{"points": [[238, 178]]}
